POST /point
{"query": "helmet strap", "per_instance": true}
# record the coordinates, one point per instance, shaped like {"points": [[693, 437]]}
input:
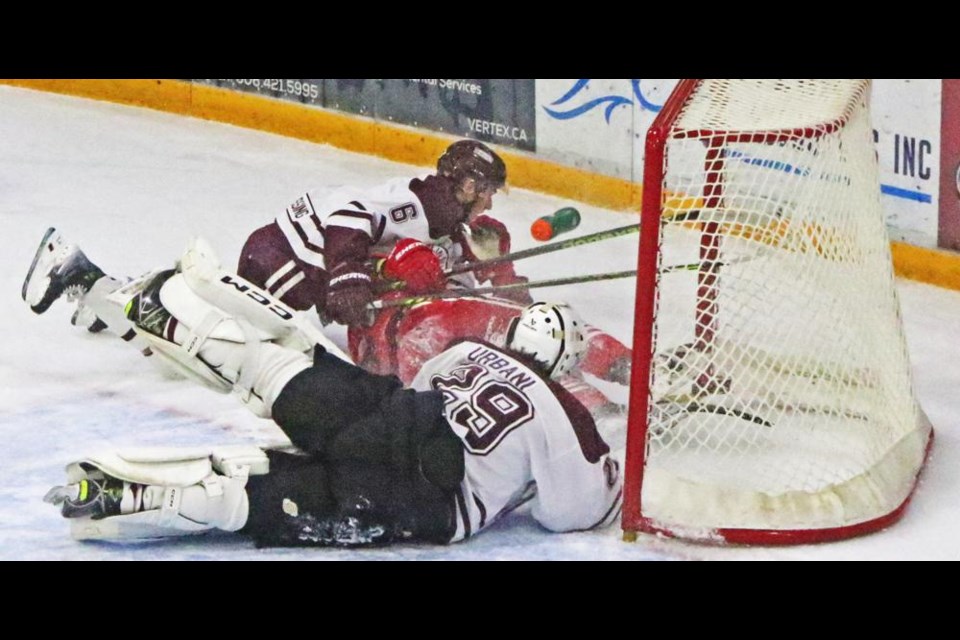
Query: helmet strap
{"points": [[511, 330]]}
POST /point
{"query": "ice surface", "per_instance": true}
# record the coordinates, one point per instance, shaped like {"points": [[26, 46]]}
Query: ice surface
{"points": [[132, 185]]}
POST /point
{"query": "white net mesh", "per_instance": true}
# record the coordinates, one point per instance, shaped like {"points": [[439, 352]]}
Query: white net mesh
{"points": [[780, 393]]}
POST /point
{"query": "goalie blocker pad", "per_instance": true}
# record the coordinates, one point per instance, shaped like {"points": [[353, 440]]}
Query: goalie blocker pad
{"points": [[203, 488]]}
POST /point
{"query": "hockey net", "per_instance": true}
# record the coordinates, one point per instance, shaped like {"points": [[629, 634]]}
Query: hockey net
{"points": [[771, 399]]}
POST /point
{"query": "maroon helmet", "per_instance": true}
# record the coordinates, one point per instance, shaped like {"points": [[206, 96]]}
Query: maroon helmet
{"points": [[472, 159]]}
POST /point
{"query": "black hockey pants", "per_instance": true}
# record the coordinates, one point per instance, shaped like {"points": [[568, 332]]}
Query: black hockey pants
{"points": [[381, 463]]}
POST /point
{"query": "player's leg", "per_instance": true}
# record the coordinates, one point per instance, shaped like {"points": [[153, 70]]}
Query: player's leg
{"points": [[205, 343], [278, 498], [60, 269], [391, 474], [222, 330], [267, 261], [305, 501]]}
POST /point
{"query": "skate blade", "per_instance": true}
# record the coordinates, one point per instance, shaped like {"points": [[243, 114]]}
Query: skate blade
{"points": [[36, 259]]}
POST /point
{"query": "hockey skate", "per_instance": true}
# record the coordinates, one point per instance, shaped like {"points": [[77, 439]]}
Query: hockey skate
{"points": [[94, 498], [145, 309], [58, 268]]}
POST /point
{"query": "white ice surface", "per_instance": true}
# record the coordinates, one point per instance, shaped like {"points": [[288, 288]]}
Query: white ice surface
{"points": [[132, 185]]}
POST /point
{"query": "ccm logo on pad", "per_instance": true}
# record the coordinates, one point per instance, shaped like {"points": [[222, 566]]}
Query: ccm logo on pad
{"points": [[272, 305]]}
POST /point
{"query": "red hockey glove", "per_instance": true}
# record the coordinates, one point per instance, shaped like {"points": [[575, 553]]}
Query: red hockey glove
{"points": [[416, 264], [348, 294], [489, 238], [486, 230]]}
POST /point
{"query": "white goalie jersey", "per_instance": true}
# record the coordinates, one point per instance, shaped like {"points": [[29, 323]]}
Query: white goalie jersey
{"points": [[524, 438]]}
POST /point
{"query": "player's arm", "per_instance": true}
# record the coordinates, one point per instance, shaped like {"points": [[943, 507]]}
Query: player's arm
{"points": [[578, 483], [574, 494], [348, 236], [606, 357]]}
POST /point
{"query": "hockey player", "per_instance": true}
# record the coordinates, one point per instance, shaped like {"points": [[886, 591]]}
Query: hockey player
{"points": [[403, 338], [439, 222], [484, 430], [398, 342], [321, 250], [325, 256]]}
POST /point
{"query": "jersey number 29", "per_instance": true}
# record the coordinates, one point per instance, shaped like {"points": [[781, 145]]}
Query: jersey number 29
{"points": [[488, 413]]}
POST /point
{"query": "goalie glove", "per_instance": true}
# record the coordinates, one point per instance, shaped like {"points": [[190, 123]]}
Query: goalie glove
{"points": [[415, 264], [349, 292]]}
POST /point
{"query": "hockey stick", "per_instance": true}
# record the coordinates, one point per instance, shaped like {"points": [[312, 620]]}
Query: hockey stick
{"points": [[549, 248], [675, 364], [469, 292], [678, 413], [544, 249], [462, 293], [689, 215], [716, 409], [398, 285]]}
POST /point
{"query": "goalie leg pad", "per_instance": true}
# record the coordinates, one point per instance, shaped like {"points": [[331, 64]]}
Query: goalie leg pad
{"points": [[203, 341], [217, 502], [182, 491], [202, 323], [181, 466], [235, 296], [214, 308], [185, 364], [263, 370], [241, 299]]}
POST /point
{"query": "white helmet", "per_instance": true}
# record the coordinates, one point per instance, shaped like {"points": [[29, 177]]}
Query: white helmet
{"points": [[552, 333]]}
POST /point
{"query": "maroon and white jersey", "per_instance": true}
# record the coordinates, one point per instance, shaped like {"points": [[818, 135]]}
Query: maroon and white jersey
{"points": [[370, 220], [320, 230], [268, 261], [382, 214], [524, 438]]}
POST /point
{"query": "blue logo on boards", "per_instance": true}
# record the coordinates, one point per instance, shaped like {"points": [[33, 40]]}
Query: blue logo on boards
{"points": [[568, 112]]}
